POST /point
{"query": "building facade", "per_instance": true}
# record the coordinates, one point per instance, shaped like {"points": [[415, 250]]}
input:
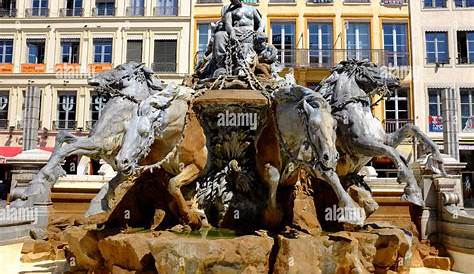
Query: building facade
{"points": [[443, 77], [313, 35], [56, 45]]}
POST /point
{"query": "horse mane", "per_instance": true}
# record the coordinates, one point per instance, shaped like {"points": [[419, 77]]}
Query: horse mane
{"points": [[297, 94]]}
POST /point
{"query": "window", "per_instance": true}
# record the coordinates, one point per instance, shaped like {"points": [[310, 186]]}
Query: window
{"points": [[204, 34], [3, 109], [8, 8], [73, 8], [166, 7], [283, 38], [102, 50], [165, 56], [465, 47], [395, 44], [358, 40], [320, 43], [35, 51], [105, 7], [97, 105], [66, 110], [39, 8], [430, 4], [137, 8], [70, 51], [464, 3], [467, 109], [435, 118], [6, 51], [437, 48], [397, 110], [134, 50]]}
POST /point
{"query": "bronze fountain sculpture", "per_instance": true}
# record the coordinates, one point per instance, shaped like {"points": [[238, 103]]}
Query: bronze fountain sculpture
{"points": [[238, 146]]}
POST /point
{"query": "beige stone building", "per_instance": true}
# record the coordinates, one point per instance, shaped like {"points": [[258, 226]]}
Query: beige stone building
{"points": [[442, 33], [56, 45]]}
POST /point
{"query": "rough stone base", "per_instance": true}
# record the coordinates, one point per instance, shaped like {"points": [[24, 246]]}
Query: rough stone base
{"points": [[372, 250]]}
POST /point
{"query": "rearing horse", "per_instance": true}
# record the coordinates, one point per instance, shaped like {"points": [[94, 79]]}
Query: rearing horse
{"points": [[127, 85], [360, 135]]}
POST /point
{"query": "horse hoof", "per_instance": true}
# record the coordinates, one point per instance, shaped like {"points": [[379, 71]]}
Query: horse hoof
{"points": [[193, 219]]}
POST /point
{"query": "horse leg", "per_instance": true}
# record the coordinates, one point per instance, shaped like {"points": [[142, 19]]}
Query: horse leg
{"points": [[410, 130], [352, 213], [186, 176], [412, 191], [271, 177]]}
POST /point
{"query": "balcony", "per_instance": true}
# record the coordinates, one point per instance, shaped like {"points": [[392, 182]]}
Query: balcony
{"points": [[392, 125], [356, 1], [209, 1], [33, 68], [6, 68], [95, 68], [166, 11], [67, 68], [320, 1], [65, 12], [465, 60], [7, 12], [327, 58], [393, 3], [103, 12], [135, 11], [281, 1], [37, 12], [169, 67], [19, 125], [64, 124]]}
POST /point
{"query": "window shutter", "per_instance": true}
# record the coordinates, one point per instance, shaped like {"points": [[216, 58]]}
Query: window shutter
{"points": [[165, 56], [134, 51]]}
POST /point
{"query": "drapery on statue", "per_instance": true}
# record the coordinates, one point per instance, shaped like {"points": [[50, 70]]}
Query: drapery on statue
{"points": [[237, 45]]}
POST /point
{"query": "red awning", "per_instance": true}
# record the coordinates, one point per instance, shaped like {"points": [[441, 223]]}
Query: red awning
{"points": [[9, 152]]}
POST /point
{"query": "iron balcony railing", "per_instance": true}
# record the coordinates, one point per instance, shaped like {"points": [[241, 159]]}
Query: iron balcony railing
{"points": [[37, 12], [7, 12], [320, 1], [327, 58], [164, 67], [19, 124], [64, 124], [392, 125], [393, 3], [463, 60], [166, 10], [135, 11], [103, 12], [65, 12], [209, 1], [282, 1], [357, 1]]}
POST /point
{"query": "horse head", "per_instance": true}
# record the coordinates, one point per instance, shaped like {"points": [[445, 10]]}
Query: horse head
{"points": [[146, 125], [367, 75], [312, 121], [132, 80], [321, 127]]}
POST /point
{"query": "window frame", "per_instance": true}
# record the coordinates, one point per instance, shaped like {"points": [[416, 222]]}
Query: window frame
{"points": [[439, 107], [436, 48], [102, 43], [3, 51], [395, 55], [68, 94], [283, 56], [357, 43], [470, 105]]}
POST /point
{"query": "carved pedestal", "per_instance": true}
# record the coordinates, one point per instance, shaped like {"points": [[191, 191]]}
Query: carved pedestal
{"points": [[232, 120]]}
